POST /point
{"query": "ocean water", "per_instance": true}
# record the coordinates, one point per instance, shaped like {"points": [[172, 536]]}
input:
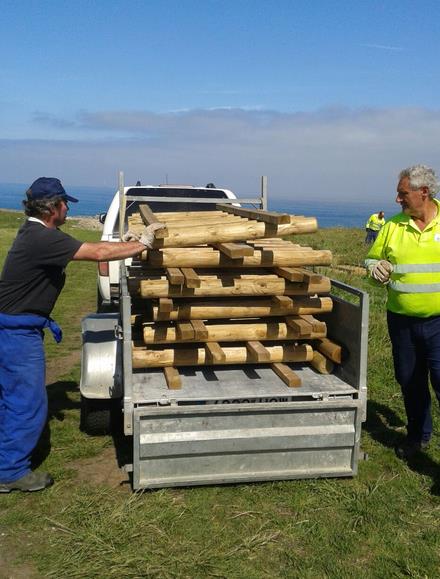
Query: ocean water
{"points": [[92, 200], [335, 213], [95, 200]]}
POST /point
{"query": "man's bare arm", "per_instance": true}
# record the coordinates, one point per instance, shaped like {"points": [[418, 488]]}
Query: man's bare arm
{"points": [[131, 244], [108, 251]]}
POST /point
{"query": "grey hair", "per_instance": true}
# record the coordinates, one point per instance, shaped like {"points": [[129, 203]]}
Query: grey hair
{"points": [[421, 176], [41, 207]]}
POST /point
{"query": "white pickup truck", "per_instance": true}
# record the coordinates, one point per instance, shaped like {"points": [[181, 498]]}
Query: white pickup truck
{"points": [[109, 272]]}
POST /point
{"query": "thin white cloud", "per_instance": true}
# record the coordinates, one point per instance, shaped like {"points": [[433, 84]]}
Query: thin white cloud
{"points": [[333, 153], [52, 120], [383, 47]]}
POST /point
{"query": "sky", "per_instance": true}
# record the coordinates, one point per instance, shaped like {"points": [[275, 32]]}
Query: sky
{"points": [[328, 98]]}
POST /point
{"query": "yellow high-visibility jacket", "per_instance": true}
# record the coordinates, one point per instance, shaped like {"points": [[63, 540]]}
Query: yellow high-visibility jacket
{"points": [[414, 286], [374, 223]]}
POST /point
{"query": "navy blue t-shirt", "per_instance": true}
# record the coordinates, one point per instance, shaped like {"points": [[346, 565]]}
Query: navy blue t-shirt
{"points": [[33, 273]]}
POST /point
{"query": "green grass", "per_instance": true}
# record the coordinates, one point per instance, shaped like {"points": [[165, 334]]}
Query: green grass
{"points": [[347, 245], [382, 523]]}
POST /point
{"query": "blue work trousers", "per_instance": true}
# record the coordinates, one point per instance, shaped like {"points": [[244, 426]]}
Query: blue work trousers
{"points": [[371, 236], [416, 354], [23, 398]]}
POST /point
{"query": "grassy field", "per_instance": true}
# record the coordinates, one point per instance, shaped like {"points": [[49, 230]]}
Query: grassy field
{"points": [[383, 523]]}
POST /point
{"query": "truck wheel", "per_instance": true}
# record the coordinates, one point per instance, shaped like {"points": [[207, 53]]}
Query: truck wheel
{"points": [[99, 416]]}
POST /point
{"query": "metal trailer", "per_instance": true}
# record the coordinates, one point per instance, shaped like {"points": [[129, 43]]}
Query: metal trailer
{"points": [[230, 424]]}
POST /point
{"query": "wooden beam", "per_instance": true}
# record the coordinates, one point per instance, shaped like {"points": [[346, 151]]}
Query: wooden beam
{"points": [[202, 216], [235, 250], [183, 223], [322, 364], [310, 276], [200, 330], [172, 377], [283, 302], [165, 305], [258, 351], [230, 286], [317, 325], [207, 354], [175, 276], [269, 243], [290, 273], [228, 331], [184, 331], [241, 231], [258, 214], [214, 353], [287, 375], [149, 218], [199, 257], [330, 349], [243, 308], [191, 278], [303, 327], [223, 221]]}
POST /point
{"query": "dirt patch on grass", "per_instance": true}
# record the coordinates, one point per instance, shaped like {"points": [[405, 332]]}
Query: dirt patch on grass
{"points": [[98, 470], [10, 571], [85, 222], [8, 568], [56, 367], [102, 470]]}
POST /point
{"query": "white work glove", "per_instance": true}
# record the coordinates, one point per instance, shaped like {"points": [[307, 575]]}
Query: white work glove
{"points": [[147, 237], [130, 236], [381, 271]]}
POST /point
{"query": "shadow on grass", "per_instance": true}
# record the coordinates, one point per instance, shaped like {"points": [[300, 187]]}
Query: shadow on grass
{"points": [[59, 401], [123, 449], [382, 424]]}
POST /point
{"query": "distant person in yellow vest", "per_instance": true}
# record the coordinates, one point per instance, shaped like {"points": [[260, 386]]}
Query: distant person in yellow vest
{"points": [[405, 258], [373, 226]]}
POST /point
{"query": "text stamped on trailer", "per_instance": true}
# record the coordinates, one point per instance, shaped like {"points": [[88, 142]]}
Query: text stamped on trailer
{"points": [[252, 400]]}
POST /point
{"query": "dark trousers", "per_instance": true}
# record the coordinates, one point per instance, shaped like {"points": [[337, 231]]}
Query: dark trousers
{"points": [[371, 236], [416, 355]]}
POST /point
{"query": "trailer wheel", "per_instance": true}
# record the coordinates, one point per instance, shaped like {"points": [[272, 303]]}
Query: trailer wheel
{"points": [[99, 416]]}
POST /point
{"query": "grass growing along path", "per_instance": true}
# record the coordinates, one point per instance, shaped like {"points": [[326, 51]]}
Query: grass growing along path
{"points": [[382, 523]]}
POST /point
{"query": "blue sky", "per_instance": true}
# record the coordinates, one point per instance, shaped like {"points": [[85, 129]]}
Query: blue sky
{"points": [[325, 97]]}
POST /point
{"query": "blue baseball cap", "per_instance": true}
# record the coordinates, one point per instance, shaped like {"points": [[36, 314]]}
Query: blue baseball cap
{"points": [[47, 187]]}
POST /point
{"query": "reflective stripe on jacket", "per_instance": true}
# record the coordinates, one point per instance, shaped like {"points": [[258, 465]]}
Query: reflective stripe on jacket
{"points": [[414, 286]]}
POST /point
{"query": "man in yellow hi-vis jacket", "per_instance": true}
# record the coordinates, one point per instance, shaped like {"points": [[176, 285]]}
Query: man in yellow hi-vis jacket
{"points": [[373, 226], [406, 259]]}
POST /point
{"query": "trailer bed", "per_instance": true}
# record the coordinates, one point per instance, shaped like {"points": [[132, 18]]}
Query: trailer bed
{"points": [[235, 384]]}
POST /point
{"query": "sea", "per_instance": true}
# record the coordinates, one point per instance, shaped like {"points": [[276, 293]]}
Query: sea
{"points": [[95, 200]]}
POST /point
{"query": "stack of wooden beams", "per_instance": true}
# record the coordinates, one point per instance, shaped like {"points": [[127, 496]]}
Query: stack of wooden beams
{"points": [[222, 287]]}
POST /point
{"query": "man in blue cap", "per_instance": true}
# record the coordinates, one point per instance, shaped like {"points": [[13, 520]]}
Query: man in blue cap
{"points": [[32, 279]]}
